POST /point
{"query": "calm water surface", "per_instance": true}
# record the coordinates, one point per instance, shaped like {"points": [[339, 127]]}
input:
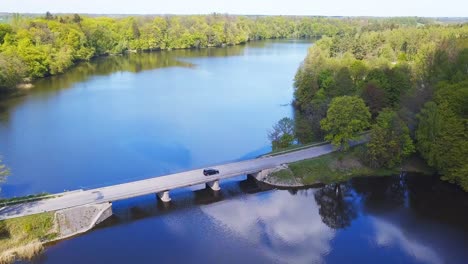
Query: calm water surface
{"points": [[141, 115]]}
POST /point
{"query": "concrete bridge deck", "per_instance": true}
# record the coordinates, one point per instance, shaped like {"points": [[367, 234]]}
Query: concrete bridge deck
{"points": [[159, 185]]}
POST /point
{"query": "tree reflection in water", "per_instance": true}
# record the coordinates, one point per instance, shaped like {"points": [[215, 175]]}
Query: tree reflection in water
{"points": [[337, 207], [381, 194]]}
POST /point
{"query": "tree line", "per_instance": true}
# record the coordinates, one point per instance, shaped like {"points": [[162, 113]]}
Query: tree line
{"points": [[34, 47], [408, 85]]}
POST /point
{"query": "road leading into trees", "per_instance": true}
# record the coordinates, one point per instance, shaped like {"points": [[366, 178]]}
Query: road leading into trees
{"points": [[159, 184]]}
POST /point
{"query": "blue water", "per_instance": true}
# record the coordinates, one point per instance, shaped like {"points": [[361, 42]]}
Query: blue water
{"points": [[103, 124]]}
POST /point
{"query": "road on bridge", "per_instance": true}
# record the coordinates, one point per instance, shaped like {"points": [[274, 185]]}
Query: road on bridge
{"points": [[158, 184]]}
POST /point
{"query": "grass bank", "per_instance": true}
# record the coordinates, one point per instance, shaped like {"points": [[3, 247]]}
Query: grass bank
{"points": [[22, 237], [295, 147], [24, 199], [330, 168]]}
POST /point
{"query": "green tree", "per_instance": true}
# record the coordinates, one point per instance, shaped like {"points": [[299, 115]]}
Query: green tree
{"points": [[12, 71], [4, 171], [49, 16], [442, 139], [283, 134], [305, 86], [342, 85], [4, 29], [346, 116], [390, 141], [398, 83]]}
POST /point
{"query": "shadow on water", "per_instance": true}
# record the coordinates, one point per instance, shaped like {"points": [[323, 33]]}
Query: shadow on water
{"points": [[338, 204], [425, 197], [135, 209]]}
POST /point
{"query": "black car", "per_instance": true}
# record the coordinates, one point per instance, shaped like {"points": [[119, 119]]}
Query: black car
{"points": [[208, 172]]}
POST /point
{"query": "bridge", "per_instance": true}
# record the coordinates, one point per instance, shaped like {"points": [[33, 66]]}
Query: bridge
{"points": [[160, 185]]}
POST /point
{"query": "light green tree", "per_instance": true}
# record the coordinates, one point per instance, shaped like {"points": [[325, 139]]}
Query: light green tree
{"points": [[346, 116], [12, 71]]}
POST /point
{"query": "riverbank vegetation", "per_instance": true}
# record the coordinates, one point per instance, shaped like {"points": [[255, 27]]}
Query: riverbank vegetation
{"points": [[34, 47], [414, 83], [24, 199], [331, 168], [22, 237], [4, 172]]}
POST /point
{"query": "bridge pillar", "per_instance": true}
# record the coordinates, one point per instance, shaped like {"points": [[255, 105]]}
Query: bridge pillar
{"points": [[214, 185], [253, 176], [164, 196]]}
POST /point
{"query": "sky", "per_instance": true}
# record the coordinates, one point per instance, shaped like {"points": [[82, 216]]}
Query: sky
{"points": [[427, 8]]}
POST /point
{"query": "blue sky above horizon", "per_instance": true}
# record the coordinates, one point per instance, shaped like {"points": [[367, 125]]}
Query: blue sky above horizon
{"points": [[427, 8]]}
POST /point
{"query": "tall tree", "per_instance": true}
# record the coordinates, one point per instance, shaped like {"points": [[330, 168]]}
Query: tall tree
{"points": [[346, 117], [390, 141], [283, 133], [442, 139]]}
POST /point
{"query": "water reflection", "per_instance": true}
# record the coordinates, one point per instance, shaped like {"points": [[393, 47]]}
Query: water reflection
{"points": [[285, 228], [337, 205], [391, 235], [130, 62], [247, 223], [423, 217]]}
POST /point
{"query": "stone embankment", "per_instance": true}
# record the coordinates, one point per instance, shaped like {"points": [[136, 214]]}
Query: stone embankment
{"points": [[265, 176], [77, 220]]}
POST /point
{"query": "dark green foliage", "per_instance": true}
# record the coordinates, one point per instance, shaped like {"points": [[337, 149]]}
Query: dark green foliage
{"points": [[374, 97], [389, 142], [283, 134], [442, 134], [379, 78], [335, 210], [341, 85], [4, 233], [306, 87], [398, 83], [308, 127], [76, 18]]}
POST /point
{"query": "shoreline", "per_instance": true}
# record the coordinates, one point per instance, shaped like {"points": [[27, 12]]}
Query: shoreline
{"points": [[283, 177], [47, 228], [22, 88]]}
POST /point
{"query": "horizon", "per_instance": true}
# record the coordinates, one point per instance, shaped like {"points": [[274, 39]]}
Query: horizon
{"points": [[337, 8], [230, 14]]}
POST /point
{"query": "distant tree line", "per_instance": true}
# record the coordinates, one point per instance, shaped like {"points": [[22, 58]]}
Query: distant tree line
{"points": [[412, 83], [33, 47]]}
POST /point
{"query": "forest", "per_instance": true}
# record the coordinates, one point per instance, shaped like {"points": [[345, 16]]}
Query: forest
{"points": [[34, 47], [407, 86]]}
